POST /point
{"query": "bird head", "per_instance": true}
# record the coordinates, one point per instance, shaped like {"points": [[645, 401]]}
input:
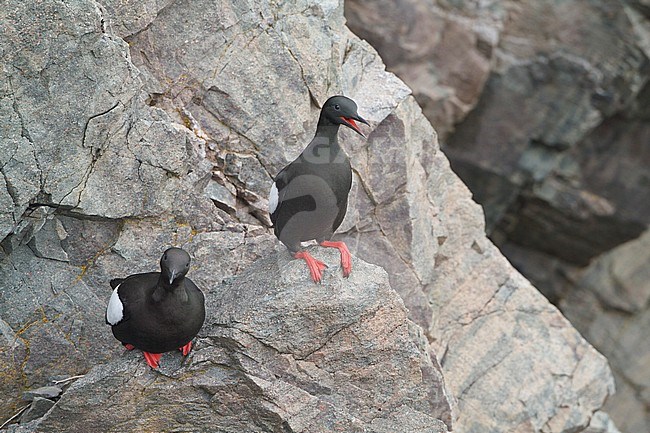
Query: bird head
{"points": [[340, 110], [174, 264]]}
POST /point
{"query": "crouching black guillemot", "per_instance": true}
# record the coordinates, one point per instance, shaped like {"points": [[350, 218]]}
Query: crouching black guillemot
{"points": [[157, 312]]}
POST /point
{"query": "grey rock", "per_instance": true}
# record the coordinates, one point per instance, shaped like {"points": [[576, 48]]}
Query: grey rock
{"points": [[550, 134], [55, 313], [42, 392], [286, 354], [443, 56], [13, 354], [21, 183], [601, 423], [20, 176], [621, 278], [58, 101], [529, 121], [608, 303], [133, 16], [222, 195], [46, 243], [24, 230], [471, 302], [39, 407], [125, 158]]}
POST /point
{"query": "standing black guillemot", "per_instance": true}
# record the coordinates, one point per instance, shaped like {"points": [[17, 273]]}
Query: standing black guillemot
{"points": [[309, 197]]}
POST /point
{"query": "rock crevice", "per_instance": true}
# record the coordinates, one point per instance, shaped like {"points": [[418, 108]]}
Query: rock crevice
{"points": [[278, 353]]}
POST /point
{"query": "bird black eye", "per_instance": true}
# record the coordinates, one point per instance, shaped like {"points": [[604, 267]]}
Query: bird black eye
{"points": [[337, 107], [165, 257], [187, 265]]}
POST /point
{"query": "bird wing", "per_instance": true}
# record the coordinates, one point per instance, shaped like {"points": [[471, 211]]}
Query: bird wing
{"points": [[279, 183], [115, 309], [128, 292]]}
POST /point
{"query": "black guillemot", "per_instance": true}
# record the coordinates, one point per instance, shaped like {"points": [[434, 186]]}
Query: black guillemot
{"points": [[309, 197], [157, 312]]}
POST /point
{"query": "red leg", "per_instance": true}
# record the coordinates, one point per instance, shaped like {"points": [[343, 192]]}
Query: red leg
{"points": [[152, 358], [346, 258], [128, 346], [186, 349], [315, 266]]}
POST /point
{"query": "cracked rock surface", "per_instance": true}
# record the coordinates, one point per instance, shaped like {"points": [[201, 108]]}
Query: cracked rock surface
{"points": [[610, 305], [351, 361], [132, 126], [542, 109]]}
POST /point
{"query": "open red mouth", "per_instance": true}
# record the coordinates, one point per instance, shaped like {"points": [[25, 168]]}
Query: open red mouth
{"points": [[352, 124]]}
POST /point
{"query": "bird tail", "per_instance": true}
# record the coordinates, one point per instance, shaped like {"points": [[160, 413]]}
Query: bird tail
{"points": [[116, 282]]}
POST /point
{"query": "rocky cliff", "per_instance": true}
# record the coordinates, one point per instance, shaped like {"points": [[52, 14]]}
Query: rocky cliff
{"points": [[275, 354], [132, 126], [542, 108], [609, 303]]}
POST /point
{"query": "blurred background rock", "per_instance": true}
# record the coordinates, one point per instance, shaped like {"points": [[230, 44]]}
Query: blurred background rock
{"points": [[543, 109]]}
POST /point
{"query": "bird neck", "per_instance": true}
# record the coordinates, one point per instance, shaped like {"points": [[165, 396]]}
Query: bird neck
{"points": [[164, 283], [327, 130], [164, 289]]}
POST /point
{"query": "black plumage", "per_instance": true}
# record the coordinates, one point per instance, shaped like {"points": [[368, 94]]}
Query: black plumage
{"points": [[157, 312], [309, 197]]}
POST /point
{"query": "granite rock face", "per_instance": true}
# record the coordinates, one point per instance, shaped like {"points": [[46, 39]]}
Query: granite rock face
{"points": [[529, 97], [542, 107], [351, 361], [444, 57], [133, 126], [609, 303]]}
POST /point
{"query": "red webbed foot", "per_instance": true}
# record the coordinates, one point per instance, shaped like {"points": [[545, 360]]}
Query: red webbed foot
{"points": [[186, 349], [316, 267], [346, 258], [128, 346], [152, 358]]}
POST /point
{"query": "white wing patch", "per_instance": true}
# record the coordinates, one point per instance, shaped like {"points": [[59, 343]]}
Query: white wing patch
{"points": [[273, 198], [115, 310]]}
